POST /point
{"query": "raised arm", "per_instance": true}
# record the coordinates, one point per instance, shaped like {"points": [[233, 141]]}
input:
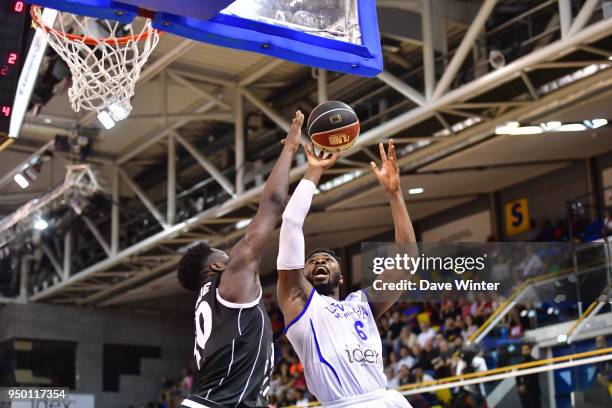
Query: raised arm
{"points": [[389, 177], [293, 289], [240, 281]]}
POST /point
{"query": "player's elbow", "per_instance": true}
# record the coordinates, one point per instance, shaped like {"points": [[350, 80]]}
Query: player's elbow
{"points": [[274, 202], [292, 221]]}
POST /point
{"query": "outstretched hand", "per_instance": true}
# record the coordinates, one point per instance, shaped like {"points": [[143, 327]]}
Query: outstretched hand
{"points": [[388, 175], [293, 139], [319, 161]]}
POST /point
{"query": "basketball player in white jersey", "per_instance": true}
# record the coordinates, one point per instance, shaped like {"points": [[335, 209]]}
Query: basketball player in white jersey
{"points": [[337, 341]]}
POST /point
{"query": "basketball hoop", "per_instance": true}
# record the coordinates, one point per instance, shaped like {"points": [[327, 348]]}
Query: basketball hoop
{"points": [[105, 58]]}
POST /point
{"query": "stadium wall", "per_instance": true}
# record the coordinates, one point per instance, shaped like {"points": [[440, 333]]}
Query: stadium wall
{"points": [[92, 329]]}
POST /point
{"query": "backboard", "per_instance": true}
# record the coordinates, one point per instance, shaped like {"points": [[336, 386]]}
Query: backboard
{"points": [[338, 35]]}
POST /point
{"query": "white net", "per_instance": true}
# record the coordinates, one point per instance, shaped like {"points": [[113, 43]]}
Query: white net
{"points": [[105, 58]]}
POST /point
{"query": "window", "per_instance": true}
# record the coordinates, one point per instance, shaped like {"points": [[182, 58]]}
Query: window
{"points": [[46, 363], [123, 359]]}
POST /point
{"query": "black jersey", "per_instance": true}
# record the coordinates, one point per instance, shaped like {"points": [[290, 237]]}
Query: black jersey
{"points": [[233, 351]]}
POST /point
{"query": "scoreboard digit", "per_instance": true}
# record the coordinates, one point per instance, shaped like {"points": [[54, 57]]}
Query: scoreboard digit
{"points": [[15, 18]]}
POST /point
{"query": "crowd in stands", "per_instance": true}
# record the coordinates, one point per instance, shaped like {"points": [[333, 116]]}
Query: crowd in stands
{"points": [[171, 393], [421, 342], [428, 340]]}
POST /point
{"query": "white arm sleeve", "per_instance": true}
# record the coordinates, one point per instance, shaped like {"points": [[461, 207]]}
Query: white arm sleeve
{"points": [[291, 250]]}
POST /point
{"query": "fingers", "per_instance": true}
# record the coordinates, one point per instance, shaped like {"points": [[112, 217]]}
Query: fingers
{"points": [[392, 150], [334, 158], [375, 169], [298, 118], [309, 150], [383, 155]]}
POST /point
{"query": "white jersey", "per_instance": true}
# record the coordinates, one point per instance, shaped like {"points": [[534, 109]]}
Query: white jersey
{"points": [[340, 348]]}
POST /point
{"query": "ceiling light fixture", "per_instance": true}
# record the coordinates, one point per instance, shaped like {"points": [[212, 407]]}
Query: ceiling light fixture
{"points": [[40, 224], [416, 190], [514, 128], [571, 127], [243, 223], [21, 180], [106, 120]]}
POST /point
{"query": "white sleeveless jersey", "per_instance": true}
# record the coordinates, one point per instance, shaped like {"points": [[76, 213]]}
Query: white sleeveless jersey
{"points": [[339, 346]]}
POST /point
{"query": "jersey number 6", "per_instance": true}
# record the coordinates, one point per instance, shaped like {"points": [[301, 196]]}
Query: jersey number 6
{"points": [[360, 332]]}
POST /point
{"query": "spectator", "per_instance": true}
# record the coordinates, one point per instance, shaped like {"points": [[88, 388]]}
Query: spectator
{"points": [[186, 382], [469, 327], [602, 392], [407, 359], [393, 362], [396, 325], [469, 362], [427, 333], [532, 264], [418, 375], [404, 376], [392, 379], [608, 223], [300, 399], [427, 353], [528, 386], [501, 268], [406, 338], [441, 361], [450, 330]]}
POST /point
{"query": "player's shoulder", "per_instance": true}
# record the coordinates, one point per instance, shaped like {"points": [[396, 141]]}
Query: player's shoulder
{"points": [[359, 296]]}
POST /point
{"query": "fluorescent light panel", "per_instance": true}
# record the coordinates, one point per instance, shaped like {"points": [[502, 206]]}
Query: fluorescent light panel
{"points": [[416, 190], [514, 128], [21, 180], [106, 120]]}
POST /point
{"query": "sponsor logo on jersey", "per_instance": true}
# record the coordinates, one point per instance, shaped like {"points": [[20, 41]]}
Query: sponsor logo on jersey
{"points": [[362, 355], [345, 310]]}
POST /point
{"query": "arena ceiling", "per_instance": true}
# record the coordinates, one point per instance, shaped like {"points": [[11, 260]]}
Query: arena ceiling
{"points": [[190, 97]]}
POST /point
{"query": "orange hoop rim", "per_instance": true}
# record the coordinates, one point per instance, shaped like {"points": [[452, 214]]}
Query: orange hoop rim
{"points": [[85, 39]]}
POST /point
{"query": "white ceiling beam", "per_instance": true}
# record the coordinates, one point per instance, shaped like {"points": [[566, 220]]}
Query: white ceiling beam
{"points": [[464, 48], [207, 116], [486, 82], [206, 164], [565, 16], [142, 277], [583, 16], [267, 110], [143, 198], [208, 79], [53, 260], [258, 72], [97, 234], [429, 63], [156, 135], [402, 87], [189, 85]]}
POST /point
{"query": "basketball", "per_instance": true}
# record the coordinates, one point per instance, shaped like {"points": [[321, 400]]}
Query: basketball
{"points": [[333, 126]]}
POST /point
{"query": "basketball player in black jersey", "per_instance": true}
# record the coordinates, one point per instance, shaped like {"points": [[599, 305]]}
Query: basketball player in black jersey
{"points": [[233, 347]]}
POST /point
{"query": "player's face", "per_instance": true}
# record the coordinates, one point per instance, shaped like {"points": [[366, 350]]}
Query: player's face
{"points": [[323, 272]]}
